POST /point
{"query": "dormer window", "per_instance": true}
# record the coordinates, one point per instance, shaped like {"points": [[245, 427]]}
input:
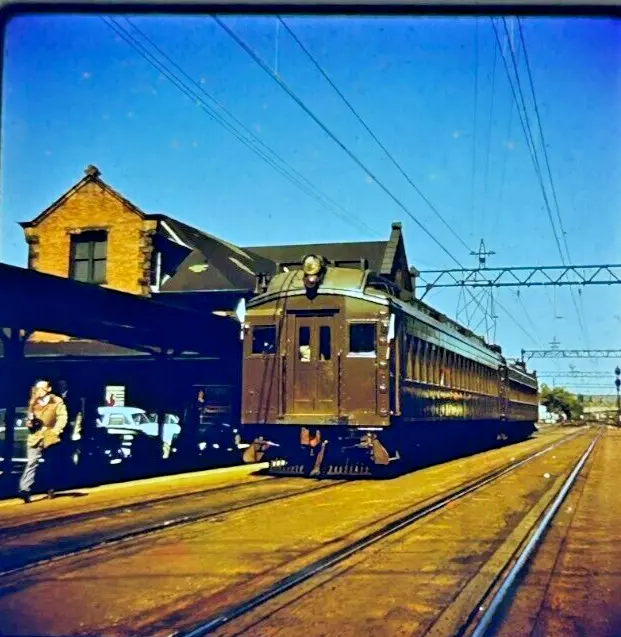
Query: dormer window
{"points": [[88, 256]]}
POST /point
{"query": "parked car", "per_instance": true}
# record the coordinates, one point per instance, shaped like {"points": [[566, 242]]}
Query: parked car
{"points": [[135, 418], [21, 434], [112, 450], [213, 443]]}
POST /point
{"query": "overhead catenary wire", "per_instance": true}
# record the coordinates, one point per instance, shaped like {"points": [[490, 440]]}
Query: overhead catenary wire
{"points": [[474, 122], [383, 147], [517, 90], [267, 155], [508, 143], [526, 128], [182, 86], [551, 180], [278, 79], [375, 138], [489, 138], [543, 142]]}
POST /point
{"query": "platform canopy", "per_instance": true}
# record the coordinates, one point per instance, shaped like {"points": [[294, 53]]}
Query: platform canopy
{"points": [[33, 301]]}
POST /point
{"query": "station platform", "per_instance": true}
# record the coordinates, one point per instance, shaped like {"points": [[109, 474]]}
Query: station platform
{"points": [[89, 499], [572, 584]]}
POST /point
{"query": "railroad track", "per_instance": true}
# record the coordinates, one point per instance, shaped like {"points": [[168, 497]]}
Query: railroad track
{"points": [[37, 553], [39, 524], [422, 510], [487, 611]]}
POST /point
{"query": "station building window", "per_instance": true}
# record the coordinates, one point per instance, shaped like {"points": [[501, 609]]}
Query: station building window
{"points": [[88, 256], [362, 339], [264, 339]]}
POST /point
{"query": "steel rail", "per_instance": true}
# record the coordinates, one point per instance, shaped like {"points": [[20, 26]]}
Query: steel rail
{"points": [[32, 526], [298, 577], [165, 525], [482, 625]]}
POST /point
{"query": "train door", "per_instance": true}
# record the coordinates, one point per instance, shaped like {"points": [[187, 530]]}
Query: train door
{"points": [[312, 383]]}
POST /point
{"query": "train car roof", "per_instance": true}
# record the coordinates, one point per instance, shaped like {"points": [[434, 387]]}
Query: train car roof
{"points": [[352, 282]]}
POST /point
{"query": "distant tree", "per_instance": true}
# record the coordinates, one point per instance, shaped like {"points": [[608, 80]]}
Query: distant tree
{"points": [[559, 401]]}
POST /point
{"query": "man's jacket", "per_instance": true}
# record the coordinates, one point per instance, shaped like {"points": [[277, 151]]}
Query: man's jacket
{"points": [[52, 419]]}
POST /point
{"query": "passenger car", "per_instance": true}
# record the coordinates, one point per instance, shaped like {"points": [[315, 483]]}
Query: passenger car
{"points": [[136, 418]]}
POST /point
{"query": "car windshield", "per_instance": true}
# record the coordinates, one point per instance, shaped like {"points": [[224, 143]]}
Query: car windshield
{"points": [[140, 419]]}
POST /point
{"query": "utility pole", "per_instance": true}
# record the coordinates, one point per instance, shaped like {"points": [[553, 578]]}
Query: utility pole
{"points": [[489, 311], [482, 254]]}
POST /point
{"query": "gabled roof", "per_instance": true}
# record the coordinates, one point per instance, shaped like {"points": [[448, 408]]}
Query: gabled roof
{"points": [[91, 176], [217, 265], [372, 251], [380, 255], [178, 231]]}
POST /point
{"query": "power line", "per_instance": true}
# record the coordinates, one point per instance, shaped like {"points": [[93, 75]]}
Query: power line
{"points": [[543, 142], [547, 161], [528, 318], [489, 138], [524, 121], [214, 115], [506, 155], [328, 132], [286, 170], [374, 136], [371, 133], [254, 56], [526, 127], [474, 117]]}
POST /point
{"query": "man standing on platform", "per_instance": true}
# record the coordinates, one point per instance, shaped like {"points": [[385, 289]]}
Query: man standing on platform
{"points": [[47, 418]]}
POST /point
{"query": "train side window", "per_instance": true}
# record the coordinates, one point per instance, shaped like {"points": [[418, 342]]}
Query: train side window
{"points": [[304, 348], [442, 368], [362, 339], [416, 354], [409, 339], [325, 345], [264, 339]]}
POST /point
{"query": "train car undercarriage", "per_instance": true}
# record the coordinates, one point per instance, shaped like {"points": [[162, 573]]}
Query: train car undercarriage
{"points": [[357, 453]]}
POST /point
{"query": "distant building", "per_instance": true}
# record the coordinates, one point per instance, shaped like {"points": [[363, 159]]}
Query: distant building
{"points": [[547, 417]]}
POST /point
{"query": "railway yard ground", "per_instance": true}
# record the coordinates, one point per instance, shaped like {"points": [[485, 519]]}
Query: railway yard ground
{"points": [[520, 540]]}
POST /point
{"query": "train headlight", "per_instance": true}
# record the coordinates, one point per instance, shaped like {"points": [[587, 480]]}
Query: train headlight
{"points": [[312, 266]]}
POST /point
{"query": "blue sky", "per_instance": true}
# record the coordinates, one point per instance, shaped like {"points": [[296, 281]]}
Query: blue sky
{"points": [[76, 93]]}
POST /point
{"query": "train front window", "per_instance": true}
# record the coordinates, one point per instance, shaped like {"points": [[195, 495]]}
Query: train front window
{"points": [[325, 350], [304, 344], [264, 339], [362, 339]]}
